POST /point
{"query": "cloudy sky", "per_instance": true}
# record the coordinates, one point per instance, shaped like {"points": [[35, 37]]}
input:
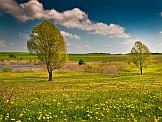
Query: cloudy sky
{"points": [[105, 26]]}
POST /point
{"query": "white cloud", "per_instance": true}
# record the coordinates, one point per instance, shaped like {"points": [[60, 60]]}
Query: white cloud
{"points": [[74, 18], [3, 43], [160, 32], [70, 35], [23, 35], [128, 42]]}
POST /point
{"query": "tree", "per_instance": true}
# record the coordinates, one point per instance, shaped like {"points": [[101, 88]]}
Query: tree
{"points": [[81, 62], [49, 45], [140, 55]]}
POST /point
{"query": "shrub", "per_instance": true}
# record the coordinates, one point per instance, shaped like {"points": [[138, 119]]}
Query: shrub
{"points": [[81, 62], [12, 56], [7, 69]]}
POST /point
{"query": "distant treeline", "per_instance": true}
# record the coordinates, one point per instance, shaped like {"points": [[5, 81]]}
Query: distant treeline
{"points": [[156, 53], [105, 54], [122, 54]]}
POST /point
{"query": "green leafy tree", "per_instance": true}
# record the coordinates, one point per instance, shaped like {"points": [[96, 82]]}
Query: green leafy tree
{"points": [[49, 45], [81, 62], [140, 55]]}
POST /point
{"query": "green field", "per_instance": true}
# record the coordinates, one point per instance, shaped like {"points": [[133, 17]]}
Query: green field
{"points": [[19, 55], [74, 57], [81, 96]]}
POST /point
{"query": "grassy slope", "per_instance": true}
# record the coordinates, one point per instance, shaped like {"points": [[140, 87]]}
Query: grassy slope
{"points": [[76, 96]]}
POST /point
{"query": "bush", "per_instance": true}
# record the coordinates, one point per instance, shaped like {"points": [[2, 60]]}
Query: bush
{"points": [[7, 69], [81, 62], [12, 56]]}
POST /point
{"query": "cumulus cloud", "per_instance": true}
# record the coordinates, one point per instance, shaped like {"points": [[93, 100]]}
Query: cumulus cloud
{"points": [[74, 18], [3, 43], [160, 32], [70, 35]]}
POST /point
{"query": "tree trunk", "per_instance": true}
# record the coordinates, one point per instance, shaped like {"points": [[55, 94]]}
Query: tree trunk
{"points": [[50, 75], [141, 70], [49, 72]]}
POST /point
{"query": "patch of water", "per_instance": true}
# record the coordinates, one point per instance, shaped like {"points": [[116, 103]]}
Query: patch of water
{"points": [[22, 67]]}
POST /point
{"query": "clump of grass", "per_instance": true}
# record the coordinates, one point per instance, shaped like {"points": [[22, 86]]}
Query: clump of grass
{"points": [[103, 68], [7, 69], [6, 96]]}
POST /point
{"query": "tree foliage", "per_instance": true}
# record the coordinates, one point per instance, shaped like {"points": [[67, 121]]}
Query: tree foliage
{"points": [[81, 62], [49, 45], [140, 55]]}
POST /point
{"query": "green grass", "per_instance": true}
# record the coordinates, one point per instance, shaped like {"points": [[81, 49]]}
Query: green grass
{"points": [[19, 55], [98, 57], [80, 96], [75, 57]]}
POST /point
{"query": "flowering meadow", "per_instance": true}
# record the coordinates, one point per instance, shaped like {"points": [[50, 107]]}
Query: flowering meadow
{"points": [[27, 96]]}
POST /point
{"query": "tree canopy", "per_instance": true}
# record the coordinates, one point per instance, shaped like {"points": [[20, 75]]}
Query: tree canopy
{"points": [[140, 55], [49, 45]]}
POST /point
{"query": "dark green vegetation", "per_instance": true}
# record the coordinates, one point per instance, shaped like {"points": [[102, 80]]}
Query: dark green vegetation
{"points": [[80, 96], [140, 56], [81, 62]]}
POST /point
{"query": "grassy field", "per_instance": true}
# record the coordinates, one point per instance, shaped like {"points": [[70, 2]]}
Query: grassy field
{"points": [[74, 57], [81, 96], [19, 55]]}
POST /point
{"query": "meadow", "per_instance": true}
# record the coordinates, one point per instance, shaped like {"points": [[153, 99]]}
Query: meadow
{"points": [[74, 57], [76, 96]]}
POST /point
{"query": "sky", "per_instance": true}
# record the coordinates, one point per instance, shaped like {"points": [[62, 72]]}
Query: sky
{"points": [[88, 26]]}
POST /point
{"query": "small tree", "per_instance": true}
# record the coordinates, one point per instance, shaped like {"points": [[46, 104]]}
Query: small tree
{"points": [[81, 62], [49, 45], [140, 55]]}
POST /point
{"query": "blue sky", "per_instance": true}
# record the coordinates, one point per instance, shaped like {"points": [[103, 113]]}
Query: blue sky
{"points": [[89, 26]]}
